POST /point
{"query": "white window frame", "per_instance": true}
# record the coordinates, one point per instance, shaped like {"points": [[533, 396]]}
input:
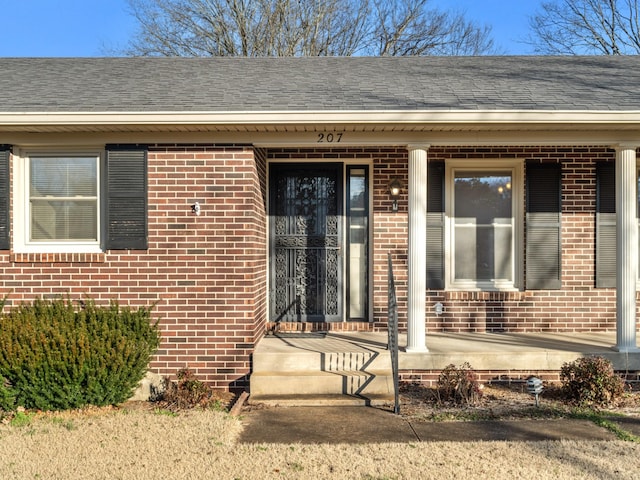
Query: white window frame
{"points": [[21, 202], [516, 167]]}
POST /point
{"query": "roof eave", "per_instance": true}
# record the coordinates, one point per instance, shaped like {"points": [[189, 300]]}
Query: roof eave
{"points": [[379, 117]]}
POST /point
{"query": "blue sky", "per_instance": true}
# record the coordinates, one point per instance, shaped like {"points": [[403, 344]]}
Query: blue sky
{"points": [[85, 28]]}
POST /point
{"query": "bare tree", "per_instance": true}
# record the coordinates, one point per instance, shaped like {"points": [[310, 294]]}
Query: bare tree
{"points": [[574, 27], [302, 28]]}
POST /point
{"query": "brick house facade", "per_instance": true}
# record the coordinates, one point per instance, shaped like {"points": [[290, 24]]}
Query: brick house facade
{"points": [[212, 273]]}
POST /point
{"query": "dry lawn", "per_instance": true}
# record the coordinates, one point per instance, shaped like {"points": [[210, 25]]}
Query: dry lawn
{"points": [[148, 443]]}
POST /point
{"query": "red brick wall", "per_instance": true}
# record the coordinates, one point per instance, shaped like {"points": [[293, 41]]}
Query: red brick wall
{"points": [[579, 306], [207, 272]]}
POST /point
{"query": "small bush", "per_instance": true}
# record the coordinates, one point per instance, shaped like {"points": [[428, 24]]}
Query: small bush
{"points": [[591, 381], [56, 356], [458, 385], [187, 392], [21, 419]]}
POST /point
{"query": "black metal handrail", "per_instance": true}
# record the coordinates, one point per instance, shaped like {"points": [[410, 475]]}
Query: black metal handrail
{"points": [[392, 344]]}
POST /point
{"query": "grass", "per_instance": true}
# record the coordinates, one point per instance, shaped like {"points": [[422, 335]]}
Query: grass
{"points": [[164, 411], [21, 419], [66, 423], [603, 419], [203, 443]]}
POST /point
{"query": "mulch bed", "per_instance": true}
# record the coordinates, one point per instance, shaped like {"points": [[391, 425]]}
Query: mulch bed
{"points": [[500, 401]]}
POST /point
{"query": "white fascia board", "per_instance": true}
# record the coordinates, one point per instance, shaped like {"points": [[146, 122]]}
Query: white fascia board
{"points": [[322, 117]]}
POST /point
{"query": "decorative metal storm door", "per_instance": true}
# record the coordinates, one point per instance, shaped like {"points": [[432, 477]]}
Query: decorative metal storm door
{"points": [[305, 243]]}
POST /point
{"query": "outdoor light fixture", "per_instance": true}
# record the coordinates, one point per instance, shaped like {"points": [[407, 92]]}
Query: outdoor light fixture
{"points": [[195, 208], [395, 186], [534, 387]]}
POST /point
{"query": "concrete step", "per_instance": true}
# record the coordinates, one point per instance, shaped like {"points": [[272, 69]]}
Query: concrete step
{"points": [[335, 400], [331, 370], [325, 361], [315, 382]]}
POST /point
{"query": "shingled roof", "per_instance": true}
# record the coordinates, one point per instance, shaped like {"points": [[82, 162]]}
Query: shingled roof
{"points": [[319, 84]]}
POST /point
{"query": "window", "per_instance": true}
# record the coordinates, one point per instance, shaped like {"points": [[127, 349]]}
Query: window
{"points": [[63, 199], [58, 207], [358, 241], [484, 233], [606, 224], [80, 201]]}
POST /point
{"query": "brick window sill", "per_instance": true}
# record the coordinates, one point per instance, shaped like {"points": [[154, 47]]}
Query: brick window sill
{"points": [[58, 257]]}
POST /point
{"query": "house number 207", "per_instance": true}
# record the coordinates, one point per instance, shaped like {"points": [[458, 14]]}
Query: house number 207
{"points": [[329, 137]]}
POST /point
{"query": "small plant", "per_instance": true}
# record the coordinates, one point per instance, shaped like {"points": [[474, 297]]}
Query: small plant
{"points": [[165, 412], [21, 419], [591, 381], [188, 391], [458, 385], [64, 423]]}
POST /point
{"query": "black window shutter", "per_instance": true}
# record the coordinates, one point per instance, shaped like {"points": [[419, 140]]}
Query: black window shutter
{"points": [[605, 224], [543, 244], [4, 198], [126, 186], [435, 225]]}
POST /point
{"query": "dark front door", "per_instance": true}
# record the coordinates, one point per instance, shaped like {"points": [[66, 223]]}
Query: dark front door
{"points": [[305, 243]]}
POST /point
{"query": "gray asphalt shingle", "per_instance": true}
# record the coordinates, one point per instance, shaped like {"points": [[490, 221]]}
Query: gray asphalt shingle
{"points": [[319, 83]]}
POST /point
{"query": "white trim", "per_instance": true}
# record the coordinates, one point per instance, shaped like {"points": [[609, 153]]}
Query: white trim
{"points": [[322, 116], [21, 213], [517, 168]]}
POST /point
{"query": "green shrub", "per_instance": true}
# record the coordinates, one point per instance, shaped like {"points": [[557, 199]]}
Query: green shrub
{"points": [[458, 385], [56, 356], [591, 381]]}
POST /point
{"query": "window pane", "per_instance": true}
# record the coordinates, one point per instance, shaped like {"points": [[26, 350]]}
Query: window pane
{"points": [[502, 241], [63, 220], [483, 234], [465, 253], [483, 197], [358, 242], [63, 198], [63, 177]]}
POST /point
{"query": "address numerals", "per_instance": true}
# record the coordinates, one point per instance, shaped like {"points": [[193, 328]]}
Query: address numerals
{"points": [[329, 137]]}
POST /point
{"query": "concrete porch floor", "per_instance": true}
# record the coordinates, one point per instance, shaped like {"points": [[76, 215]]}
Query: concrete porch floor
{"points": [[483, 351]]}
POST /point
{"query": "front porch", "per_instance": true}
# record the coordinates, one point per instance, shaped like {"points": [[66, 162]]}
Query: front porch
{"points": [[354, 368]]}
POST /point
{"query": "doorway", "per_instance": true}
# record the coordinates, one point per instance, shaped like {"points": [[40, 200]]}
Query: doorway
{"points": [[318, 255]]}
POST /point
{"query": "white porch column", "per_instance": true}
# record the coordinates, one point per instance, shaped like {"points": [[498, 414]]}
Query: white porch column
{"points": [[417, 280], [626, 248]]}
